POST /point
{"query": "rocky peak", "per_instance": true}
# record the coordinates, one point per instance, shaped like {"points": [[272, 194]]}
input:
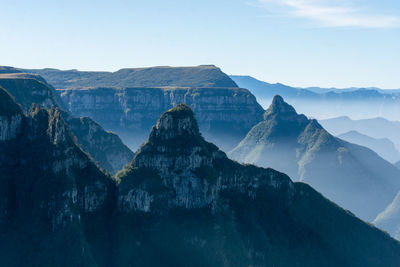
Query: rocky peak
{"points": [[175, 143], [176, 123], [281, 110]]}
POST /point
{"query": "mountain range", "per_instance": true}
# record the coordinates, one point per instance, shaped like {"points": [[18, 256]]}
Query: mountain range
{"points": [[180, 202], [383, 146], [375, 127], [323, 103], [353, 176]]}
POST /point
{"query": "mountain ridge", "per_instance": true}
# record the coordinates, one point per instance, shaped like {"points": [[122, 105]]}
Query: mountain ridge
{"points": [[200, 76], [322, 104]]}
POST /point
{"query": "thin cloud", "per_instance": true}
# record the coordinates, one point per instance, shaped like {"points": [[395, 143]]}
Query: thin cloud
{"points": [[330, 15]]}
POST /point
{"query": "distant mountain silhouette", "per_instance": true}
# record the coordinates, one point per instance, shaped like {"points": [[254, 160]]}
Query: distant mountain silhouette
{"points": [[353, 176], [325, 103], [383, 146], [375, 127]]}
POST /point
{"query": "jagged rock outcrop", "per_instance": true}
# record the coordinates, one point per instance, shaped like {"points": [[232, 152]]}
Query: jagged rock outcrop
{"points": [[49, 191], [353, 176], [105, 147], [177, 155], [224, 114], [389, 219]]}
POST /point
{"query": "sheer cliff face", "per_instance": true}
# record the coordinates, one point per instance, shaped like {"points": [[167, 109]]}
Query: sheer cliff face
{"points": [[348, 174], [106, 148], [224, 114], [181, 202], [28, 89]]}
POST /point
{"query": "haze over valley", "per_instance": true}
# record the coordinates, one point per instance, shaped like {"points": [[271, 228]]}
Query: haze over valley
{"points": [[200, 133]]}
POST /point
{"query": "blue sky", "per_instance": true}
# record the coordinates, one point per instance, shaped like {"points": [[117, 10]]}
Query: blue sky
{"points": [[339, 43]]}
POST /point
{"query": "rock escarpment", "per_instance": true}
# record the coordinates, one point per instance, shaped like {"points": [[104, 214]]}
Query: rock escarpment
{"points": [[224, 114], [353, 176], [106, 148], [129, 101]]}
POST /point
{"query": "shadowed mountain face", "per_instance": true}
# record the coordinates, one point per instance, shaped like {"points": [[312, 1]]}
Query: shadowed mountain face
{"points": [[105, 147], [200, 76], [60, 210], [353, 176], [383, 146]]}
